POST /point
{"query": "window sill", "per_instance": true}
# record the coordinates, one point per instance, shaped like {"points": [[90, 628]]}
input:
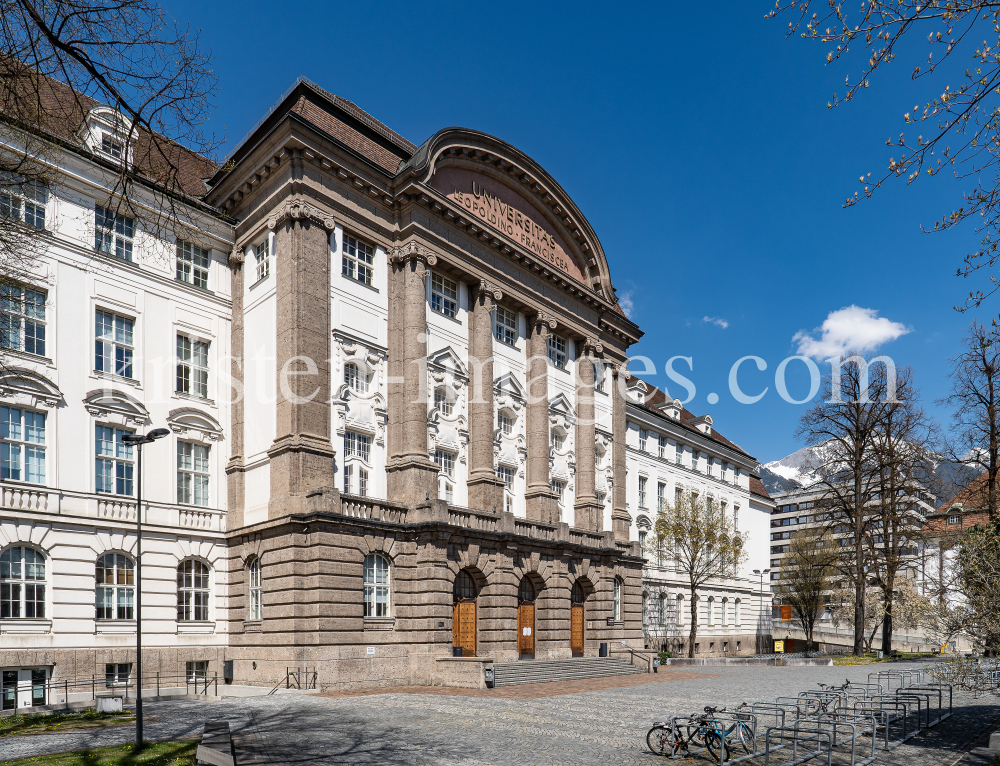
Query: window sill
{"points": [[441, 314], [193, 286], [104, 627], [195, 627], [28, 356], [194, 398], [379, 623], [259, 281], [359, 283], [25, 626], [252, 626], [117, 378]]}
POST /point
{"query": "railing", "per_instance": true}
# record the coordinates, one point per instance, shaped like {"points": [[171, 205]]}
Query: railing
{"points": [[467, 518], [358, 507], [119, 510], [534, 529], [25, 499], [582, 537], [198, 519]]}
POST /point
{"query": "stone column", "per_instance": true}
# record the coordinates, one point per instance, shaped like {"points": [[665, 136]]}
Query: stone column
{"points": [[539, 499], [485, 489], [302, 453], [588, 512], [235, 478], [620, 519], [411, 474]]}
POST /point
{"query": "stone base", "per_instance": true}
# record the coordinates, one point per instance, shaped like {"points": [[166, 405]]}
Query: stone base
{"points": [[589, 516], [412, 480], [541, 505], [621, 523], [486, 493]]}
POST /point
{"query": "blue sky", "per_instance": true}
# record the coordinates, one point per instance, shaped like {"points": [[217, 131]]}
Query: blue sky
{"points": [[699, 146]]}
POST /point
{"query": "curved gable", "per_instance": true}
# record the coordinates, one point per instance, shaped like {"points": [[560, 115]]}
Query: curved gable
{"points": [[110, 403], [38, 390]]}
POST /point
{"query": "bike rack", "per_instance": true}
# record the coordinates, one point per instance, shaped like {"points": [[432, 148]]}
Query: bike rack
{"points": [[693, 721], [858, 724], [798, 735], [939, 689], [891, 710]]}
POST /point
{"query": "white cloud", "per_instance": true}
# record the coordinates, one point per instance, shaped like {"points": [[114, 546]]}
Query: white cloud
{"points": [[717, 321], [626, 302], [851, 328]]}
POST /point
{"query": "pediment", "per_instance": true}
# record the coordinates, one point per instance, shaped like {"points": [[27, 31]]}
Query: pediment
{"points": [[508, 385], [185, 420], [104, 402], [33, 386], [447, 359], [561, 405]]}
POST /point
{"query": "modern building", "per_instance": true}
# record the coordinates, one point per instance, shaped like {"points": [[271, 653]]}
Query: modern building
{"points": [[394, 381]]}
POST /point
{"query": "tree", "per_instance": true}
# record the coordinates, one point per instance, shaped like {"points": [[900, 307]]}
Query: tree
{"points": [[845, 423], [908, 607], [807, 577], [978, 576], [959, 119], [975, 395], [61, 58], [706, 545]]}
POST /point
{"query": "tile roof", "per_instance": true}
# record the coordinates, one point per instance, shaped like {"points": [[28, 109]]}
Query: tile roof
{"points": [[757, 486], [62, 112]]}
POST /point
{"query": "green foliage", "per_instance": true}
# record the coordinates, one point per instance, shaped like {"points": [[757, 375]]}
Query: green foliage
{"points": [[59, 721], [664, 656], [152, 754], [978, 569]]}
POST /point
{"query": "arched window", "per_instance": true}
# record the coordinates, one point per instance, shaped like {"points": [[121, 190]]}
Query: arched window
{"points": [[736, 613], [355, 379], [115, 594], [253, 590], [663, 609], [192, 591], [618, 600], [376, 582], [444, 402], [680, 610], [526, 591], [22, 584], [465, 588], [577, 596], [725, 608], [645, 604], [709, 609]]}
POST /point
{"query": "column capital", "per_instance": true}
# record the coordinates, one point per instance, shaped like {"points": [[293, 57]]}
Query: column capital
{"points": [[618, 370], [592, 344], [236, 256], [488, 288], [411, 251], [300, 210], [544, 318]]}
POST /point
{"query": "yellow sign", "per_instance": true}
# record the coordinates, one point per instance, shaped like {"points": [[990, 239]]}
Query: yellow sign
{"points": [[779, 647]]}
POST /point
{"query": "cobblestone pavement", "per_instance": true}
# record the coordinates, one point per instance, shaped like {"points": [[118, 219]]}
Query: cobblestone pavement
{"points": [[604, 725]]}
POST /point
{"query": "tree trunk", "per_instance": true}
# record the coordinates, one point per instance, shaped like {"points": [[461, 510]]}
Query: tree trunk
{"points": [[694, 624], [887, 627], [859, 616]]}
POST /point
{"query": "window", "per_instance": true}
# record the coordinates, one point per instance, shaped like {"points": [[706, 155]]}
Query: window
{"points": [[447, 492], [678, 496], [362, 482], [357, 445], [643, 439], [951, 519], [695, 458], [642, 491], [556, 440], [642, 539], [680, 453], [599, 375], [263, 255], [113, 233], [376, 586], [736, 618], [505, 326], [197, 672], [112, 146], [505, 423], [348, 479], [445, 462], [356, 380], [725, 610], [661, 496], [26, 204], [618, 600], [557, 351], [736, 517], [192, 264], [22, 450], [444, 403], [506, 474], [192, 473], [113, 348], [22, 584], [725, 471], [115, 587], [736, 476], [358, 260], [645, 602], [117, 673], [254, 590], [444, 295], [711, 465], [661, 446], [192, 367], [22, 322], [709, 611], [559, 488], [114, 461], [192, 591]]}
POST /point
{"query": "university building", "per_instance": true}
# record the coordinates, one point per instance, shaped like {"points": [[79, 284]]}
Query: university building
{"points": [[400, 422]]}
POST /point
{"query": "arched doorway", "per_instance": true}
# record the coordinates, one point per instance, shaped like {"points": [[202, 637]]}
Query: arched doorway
{"points": [[576, 618], [526, 619], [463, 617]]}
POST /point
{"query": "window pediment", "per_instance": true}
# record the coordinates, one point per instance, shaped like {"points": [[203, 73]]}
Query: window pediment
{"points": [[116, 406], [192, 422], [29, 387]]}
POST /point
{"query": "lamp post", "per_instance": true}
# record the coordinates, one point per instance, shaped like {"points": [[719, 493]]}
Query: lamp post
{"points": [[138, 440], [760, 618]]}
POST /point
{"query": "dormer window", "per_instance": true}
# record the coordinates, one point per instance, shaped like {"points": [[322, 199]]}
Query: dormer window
{"points": [[112, 146]]}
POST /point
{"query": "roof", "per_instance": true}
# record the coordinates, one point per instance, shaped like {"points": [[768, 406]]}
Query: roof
{"points": [[63, 111], [757, 486], [971, 501], [972, 497], [655, 396]]}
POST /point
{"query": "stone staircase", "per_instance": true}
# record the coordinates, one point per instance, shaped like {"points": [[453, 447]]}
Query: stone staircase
{"points": [[541, 671]]}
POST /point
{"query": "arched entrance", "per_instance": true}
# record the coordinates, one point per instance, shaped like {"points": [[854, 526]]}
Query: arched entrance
{"points": [[463, 618], [576, 619], [526, 619]]}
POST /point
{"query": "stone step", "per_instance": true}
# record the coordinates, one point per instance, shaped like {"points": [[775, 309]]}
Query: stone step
{"points": [[543, 671]]}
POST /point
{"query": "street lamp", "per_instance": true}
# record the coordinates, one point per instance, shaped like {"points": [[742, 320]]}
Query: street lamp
{"points": [[138, 440], [760, 619]]}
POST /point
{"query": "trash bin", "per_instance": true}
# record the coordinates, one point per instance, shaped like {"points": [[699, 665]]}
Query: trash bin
{"points": [[603, 650], [490, 677], [456, 651], [656, 665]]}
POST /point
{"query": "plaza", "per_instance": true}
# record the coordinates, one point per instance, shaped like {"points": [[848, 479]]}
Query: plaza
{"points": [[595, 721]]}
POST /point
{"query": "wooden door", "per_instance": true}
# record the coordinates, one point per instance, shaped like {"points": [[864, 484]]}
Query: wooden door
{"points": [[576, 629], [463, 627], [526, 629]]}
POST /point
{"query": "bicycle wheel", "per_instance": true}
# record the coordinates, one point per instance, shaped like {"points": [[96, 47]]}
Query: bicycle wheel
{"points": [[716, 746], [696, 735], [660, 740], [745, 736]]}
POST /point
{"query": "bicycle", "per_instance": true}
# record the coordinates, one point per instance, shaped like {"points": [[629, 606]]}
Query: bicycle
{"points": [[705, 731]]}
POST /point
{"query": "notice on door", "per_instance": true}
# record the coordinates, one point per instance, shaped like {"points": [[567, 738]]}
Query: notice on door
{"points": [[526, 631]]}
